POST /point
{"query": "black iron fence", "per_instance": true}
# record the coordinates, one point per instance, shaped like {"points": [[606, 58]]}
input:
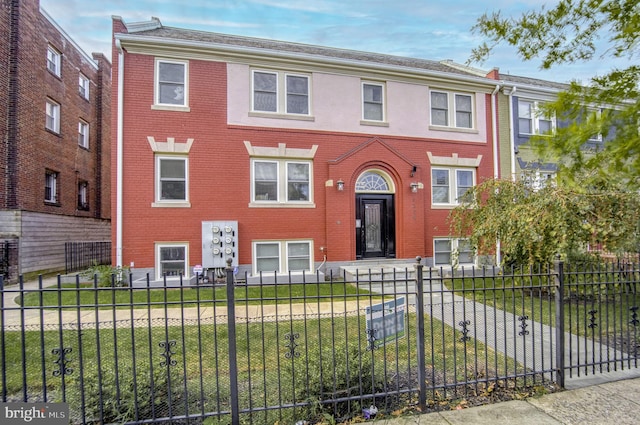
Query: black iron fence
{"points": [[79, 256], [177, 352]]}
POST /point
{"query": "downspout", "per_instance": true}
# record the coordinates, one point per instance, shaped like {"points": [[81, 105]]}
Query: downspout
{"points": [[496, 165], [512, 140], [119, 154]]}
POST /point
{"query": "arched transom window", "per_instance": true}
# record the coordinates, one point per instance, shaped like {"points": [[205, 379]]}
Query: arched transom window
{"points": [[374, 181]]}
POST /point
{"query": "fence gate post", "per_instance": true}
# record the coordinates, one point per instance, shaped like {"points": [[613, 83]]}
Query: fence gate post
{"points": [[422, 369], [559, 299], [233, 358]]}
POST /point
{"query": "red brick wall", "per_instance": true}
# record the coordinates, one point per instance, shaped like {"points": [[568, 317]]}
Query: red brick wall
{"points": [[39, 149], [219, 174]]}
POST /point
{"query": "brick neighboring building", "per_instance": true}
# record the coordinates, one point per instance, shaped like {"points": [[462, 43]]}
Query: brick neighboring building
{"points": [[287, 157], [55, 148]]}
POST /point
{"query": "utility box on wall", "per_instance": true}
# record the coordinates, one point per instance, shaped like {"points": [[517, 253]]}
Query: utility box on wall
{"points": [[219, 242]]}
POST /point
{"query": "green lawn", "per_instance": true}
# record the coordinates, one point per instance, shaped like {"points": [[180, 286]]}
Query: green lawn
{"points": [[86, 296]]}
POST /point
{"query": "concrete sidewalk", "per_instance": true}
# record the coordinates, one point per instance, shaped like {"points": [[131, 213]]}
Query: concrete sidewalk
{"points": [[610, 403]]}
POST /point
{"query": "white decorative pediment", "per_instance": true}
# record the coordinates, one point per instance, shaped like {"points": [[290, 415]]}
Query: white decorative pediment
{"points": [[170, 146], [454, 160], [282, 151]]}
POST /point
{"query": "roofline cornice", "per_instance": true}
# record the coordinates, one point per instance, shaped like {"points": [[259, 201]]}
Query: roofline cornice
{"points": [[188, 49]]}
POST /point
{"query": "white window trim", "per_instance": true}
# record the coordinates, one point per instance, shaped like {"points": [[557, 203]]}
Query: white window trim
{"points": [[83, 136], [156, 84], [83, 195], [451, 111], [454, 247], [281, 95], [54, 59], [175, 203], [535, 118], [453, 185], [159, 246], [283, 258], [282, 184], [83, 86], [382, 102], [54, 186], [55, 116]]}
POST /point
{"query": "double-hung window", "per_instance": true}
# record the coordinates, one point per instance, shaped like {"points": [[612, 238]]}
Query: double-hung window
{"points": [[282, 256], [172, 179], [52, 116], [51, 187], [450, 185], [83, 134], [83, 195], [83, 86], [172, 260], [453, 110], [280, 92], [531, 120], [372, 102], [171, 87], [281, 181], [53, 61], [448, 252]]}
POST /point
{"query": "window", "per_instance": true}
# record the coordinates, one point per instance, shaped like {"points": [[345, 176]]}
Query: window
{"points": [[277, 181], [448, 186], [52, 121], [269, 97], [171, 179], [83, 134], [83, 86], [372, 102], [451, 110], [171, 83], [51, 187], [452, 252], [537, 179], [53, 61], [531, 120], [282, 256], [83, 196], [172, 260]]}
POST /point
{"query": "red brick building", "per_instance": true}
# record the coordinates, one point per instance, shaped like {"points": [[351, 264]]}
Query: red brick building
{"points": [[55, 149], [287, 157]]}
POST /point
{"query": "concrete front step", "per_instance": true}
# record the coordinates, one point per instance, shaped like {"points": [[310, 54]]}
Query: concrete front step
{"points": [[379, 270]]}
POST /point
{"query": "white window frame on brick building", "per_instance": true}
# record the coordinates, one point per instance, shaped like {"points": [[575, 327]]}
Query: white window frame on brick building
{"points": [[282, 256], [83, 195], [171, 85], [173, 258], [53, 60], [452, 251], [83, 86], [278, 177], [83, 134], [51, 187], [52, 116]]}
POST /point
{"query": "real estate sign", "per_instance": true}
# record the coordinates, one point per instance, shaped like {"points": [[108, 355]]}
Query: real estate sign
{"points": [[385, 322]]}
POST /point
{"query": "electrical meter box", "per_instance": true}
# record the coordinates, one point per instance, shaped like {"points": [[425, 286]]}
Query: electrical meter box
{"points": [[219, 242]]}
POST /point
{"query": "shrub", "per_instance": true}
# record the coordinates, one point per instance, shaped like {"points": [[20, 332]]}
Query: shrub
{"points": [[108, 276]]}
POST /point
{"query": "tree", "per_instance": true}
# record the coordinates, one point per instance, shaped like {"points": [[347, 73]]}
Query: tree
{"points": [[567, 33], [533, 226]]}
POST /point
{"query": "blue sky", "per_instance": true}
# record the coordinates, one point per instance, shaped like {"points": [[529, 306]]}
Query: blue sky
{"points": [[429, 29]]}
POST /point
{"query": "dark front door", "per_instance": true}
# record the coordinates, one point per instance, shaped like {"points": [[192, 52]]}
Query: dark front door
{"points": [[375, 226]]}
